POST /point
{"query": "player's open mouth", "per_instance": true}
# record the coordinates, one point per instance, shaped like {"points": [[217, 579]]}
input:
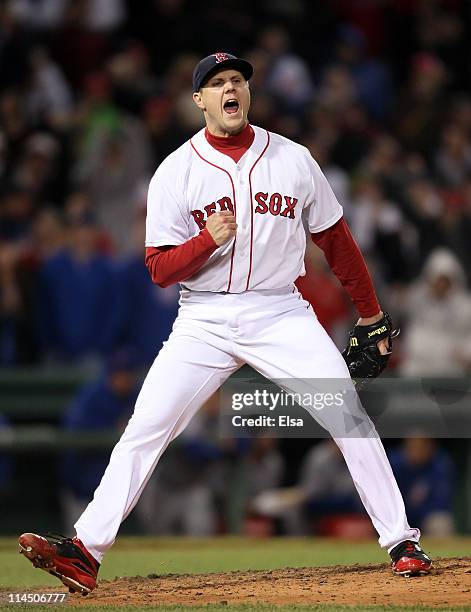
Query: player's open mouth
{"points": [[231, 106]]}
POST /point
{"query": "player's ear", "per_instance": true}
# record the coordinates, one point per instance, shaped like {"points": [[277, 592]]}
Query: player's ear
{"points": [[198, 100]]}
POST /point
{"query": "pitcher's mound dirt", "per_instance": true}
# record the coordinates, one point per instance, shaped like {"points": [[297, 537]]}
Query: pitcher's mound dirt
{"points": [[448, 585]]}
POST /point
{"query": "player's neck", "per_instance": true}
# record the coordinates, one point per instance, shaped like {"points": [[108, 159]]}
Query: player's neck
{"points": [[244, 136]]}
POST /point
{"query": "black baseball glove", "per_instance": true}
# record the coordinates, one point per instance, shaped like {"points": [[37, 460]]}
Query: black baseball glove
{"points": [[362, 355]]}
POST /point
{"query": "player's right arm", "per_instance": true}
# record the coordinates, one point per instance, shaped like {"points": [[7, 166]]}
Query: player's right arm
{"points": [[173, 252], [168, 265]]}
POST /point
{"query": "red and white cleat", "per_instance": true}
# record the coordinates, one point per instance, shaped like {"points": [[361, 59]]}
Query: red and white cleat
{"points": [[65, 558], [408, 559]]}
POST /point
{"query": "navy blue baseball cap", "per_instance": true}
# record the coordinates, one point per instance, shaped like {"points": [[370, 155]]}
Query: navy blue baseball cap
{"points": [[216, 62]]}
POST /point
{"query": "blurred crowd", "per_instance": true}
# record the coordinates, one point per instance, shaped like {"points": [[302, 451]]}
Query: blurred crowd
{"points": [[94, 94]]}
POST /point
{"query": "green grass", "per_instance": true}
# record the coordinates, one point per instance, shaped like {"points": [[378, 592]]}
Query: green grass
{"points": [[143, 556]]}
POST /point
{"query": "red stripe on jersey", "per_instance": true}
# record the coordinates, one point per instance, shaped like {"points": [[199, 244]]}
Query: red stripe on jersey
{"points": [[235, 206], [251, 208]]}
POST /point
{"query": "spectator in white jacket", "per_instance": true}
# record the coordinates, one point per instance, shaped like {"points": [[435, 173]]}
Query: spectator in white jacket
{"points": [[438, 309]]}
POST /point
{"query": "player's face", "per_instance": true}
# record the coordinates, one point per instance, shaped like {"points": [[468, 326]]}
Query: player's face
{"points": [[225, 101]]}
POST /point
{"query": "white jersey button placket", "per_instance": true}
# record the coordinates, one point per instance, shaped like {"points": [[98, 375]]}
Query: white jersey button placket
{"points": [[241, 261]]}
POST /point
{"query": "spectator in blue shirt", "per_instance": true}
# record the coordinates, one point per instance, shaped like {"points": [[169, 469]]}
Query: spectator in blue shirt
{"points": [[424, 473], [79, 302]]}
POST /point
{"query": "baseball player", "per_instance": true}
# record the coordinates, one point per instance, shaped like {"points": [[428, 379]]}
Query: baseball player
{"points": [[225, 219]]}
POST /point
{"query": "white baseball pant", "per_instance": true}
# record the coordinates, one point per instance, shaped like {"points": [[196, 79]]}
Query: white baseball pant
{"points": [[278, 334]]}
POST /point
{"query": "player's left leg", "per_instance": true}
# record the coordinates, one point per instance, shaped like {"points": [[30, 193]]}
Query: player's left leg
{"points": [[290, 345]]}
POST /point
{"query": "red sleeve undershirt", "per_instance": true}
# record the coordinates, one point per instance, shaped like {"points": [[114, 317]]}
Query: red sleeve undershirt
{"points": [[347, 263], [168, 265]]}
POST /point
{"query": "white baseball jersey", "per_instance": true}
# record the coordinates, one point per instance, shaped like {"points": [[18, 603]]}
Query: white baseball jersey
{"points": [[273, 186], [241, 309]]}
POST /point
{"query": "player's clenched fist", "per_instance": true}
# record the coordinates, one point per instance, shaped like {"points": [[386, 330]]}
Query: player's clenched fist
{"points": [[222, 226]]}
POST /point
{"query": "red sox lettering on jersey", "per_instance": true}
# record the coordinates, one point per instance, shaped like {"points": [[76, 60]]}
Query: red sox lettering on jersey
{"points": [[274, 187], [276, 205]]}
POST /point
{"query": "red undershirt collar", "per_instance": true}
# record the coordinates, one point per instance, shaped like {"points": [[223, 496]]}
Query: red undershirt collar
{"points": [[224, 144]]}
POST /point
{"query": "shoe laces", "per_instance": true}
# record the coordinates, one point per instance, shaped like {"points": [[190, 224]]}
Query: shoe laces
{"points": [[407, 549], [410, 547], [56, 538]]}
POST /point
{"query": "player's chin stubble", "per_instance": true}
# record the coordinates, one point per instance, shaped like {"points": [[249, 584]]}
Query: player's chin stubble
{"points": [[232, 129], [221, 128]]}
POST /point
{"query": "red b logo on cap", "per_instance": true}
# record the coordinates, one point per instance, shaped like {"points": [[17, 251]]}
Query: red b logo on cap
{"points": [[220, 57]]}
